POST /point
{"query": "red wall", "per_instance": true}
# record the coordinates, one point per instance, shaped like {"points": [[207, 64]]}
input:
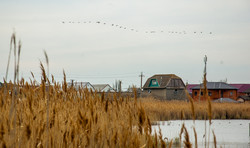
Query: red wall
{"points": [[215, 94]]}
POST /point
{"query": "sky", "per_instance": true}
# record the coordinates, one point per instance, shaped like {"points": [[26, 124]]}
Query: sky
{"points": [[101, 41]]}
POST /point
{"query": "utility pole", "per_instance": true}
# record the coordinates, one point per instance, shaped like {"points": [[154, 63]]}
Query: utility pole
{"points": [[141, 75]]}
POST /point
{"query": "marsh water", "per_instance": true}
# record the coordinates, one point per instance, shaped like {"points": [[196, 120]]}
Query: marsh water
{"points": [[229, 133]]}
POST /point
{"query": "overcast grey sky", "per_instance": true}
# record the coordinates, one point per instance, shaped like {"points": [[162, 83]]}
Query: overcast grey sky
{"points": [[142, 41]]}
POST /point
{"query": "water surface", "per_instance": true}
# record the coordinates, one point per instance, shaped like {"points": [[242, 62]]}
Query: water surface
{"points": [[229, 133]]}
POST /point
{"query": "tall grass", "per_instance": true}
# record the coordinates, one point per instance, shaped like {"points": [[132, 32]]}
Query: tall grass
{"points": [[158, 110], [76, 119]]}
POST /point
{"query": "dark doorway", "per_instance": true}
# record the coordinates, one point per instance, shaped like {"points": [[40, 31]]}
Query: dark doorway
{"points": [[221, 94]]}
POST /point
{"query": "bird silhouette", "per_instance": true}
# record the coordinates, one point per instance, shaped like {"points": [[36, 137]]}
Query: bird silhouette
{"points": [[63, 22]]}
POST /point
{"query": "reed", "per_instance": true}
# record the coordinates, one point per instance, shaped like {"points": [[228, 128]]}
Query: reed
{"points": [[158, 110], [74, 121]]}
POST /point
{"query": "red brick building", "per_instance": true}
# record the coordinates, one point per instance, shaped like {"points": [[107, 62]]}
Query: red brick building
{"points": [[216, 90], [243, 89]]}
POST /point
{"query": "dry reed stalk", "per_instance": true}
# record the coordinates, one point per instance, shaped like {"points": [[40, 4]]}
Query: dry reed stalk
{"points": [[155, 140], [187, 143], [47, 92], [192, 105], [181, 132], [215, 142], [195, 136], [163, 144], [15, 90], [64, 82], [170, 143]]}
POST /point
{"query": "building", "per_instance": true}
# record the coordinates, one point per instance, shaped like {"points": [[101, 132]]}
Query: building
{"points": [[243, 99], [243, 89], [82, 85], [103, 88], [166, 87], [189, 88], [216, 90]]}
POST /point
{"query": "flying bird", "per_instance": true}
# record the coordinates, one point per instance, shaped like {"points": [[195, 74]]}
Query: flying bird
{"points": [[98, 22], [63, 22]]}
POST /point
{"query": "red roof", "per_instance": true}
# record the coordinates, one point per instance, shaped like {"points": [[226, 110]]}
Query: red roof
{"points": [[190, 86], [241, 87]]}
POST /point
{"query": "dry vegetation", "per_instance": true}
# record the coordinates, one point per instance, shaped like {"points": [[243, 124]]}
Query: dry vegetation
{"points": [[76, 118], [175, 110]]}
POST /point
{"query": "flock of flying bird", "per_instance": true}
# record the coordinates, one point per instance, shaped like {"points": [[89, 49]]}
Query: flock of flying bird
{"points": [[131, 29]]}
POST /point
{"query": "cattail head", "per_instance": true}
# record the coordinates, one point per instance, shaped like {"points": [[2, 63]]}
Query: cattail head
{"points": [[187, 140], [64, 82]]}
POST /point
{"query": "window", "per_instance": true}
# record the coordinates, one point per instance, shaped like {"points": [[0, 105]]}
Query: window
{"points": [[153, 83], [201, 93], [175, 91], [195, 93], [210, 93], [231, 93]]}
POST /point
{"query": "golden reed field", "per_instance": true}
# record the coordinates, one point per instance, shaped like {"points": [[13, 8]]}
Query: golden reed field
{"points": [[48, 116], [158, 110], [60, 116]]}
